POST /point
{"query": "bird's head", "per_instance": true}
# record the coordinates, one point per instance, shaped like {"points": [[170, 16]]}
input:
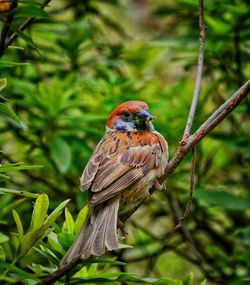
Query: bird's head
{"points": [[130, 116]]}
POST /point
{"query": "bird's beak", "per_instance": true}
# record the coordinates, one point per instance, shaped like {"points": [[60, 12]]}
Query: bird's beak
{"points": [[144, 115]]}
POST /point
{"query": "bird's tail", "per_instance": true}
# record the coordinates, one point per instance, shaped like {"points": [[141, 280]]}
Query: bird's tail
{"points": [[98, 233]]}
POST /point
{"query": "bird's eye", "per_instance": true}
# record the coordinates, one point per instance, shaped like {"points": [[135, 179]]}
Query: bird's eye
{"points": [[125, 114]]}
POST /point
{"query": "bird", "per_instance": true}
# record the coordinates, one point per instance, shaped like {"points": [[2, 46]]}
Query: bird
{"points": [[122, 172]]}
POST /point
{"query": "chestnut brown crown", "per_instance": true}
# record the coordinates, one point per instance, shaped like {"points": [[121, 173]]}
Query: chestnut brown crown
{"points": [[130, 116]]}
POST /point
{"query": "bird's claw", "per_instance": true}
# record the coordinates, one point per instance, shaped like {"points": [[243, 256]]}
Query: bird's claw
{"points": [[121, 226], [157, 185]]}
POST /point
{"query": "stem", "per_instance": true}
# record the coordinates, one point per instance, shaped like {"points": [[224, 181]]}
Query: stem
{"points": [[60, 272], [6, 28], [202, 37], [221, 113], [22, 27], [191, 191]]}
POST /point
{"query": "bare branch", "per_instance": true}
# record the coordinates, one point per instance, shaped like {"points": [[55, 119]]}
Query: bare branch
{"points": [[191, 191], [60, 272], [202, 35], [22, 27], [221, 113], [6, 27]]}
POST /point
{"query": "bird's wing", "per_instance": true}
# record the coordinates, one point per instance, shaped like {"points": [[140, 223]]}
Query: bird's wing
{"points": [[121, 159]]}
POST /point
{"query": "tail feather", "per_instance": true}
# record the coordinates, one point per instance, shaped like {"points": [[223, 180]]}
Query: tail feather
{"points": [[98, 233]]}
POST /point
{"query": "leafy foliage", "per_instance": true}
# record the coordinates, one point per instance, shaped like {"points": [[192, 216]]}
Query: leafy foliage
{"points": [[60, 78]]}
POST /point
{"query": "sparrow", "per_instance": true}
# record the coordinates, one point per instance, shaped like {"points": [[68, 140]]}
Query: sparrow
{"points": [[121, 174]]}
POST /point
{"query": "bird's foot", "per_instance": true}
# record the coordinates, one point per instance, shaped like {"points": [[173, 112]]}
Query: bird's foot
{"points": [[157, 185], [121, 226]]}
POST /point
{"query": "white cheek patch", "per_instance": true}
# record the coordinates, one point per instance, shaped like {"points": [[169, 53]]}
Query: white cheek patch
{"points": [[121, 125]]}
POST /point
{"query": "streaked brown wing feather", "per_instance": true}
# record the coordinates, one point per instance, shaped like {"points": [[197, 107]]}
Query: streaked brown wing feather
{"points": [[120, 160]]}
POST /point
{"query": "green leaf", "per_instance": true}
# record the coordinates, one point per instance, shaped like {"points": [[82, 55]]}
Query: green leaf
{"points": [[25, 37], [3, 83], [61, 153], [188, 280], [54, 243], [18, 192], [14, 269], [66, 239], [245, 281], [125, 277], [56, 213], [12, 205], [80, 220], [30, 10], [39, 212], [103, 260], [5, 63], [47, 253], [2, 254], [243, 235], [19, 225], [3, 238], [218, 26], [70, 225], [8, 167], [3, 177], [9, 112], [222, 199], [31, 238]]}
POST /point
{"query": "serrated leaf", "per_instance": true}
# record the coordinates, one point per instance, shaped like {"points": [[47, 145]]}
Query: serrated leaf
{"points": [[70, 225], [31, 238], [3, 83], [19, 225], [61, 153], [39, 212], [80, 220]]}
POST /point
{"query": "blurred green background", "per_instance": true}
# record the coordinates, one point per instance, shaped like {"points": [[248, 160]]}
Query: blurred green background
{"points": [[62, 76]]}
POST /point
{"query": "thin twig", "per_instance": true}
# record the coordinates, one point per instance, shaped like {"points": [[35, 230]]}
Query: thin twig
{"points": [[23, 26], [6, 27], [221, 113], [191, 191], [202, 36]]}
